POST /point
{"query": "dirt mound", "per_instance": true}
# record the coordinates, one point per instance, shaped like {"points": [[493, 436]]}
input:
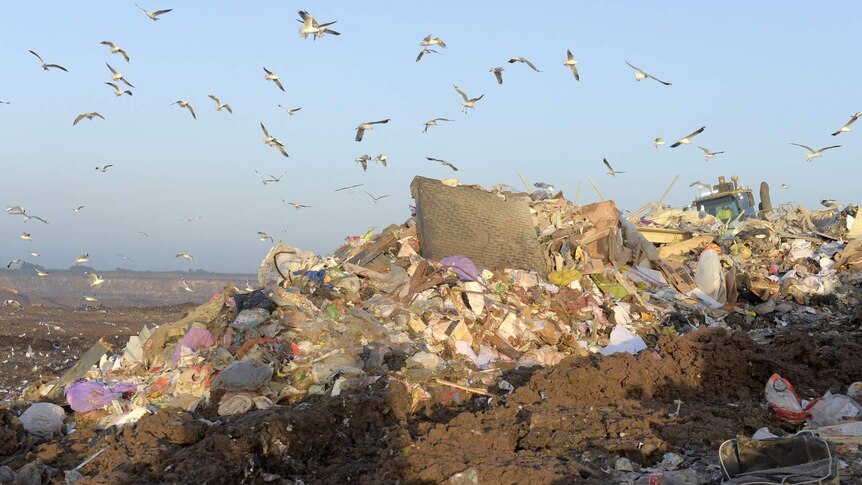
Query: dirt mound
{"points": [[562, 424]]}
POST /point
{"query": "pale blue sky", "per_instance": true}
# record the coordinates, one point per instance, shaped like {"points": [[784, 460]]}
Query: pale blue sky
{"points": [[758, 75]]}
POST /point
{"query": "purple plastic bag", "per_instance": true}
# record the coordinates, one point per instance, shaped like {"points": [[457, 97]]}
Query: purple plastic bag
{"points": [[194, 339], [85, 396], [464, 268]]}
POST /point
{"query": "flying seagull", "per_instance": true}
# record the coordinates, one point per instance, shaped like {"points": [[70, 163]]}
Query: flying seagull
{"points": [[271, 179], [687, 138], [219, 104], [154, 15], [658, 142], [104, 168], [47, 66], [82, 259], [363, 160], [368, 125], [425, 51], [785, 186], [34, 254], [525, 61], [90, 298], [116, 49], [382, 159], [264, 236], [78, 209], [640, 75], [186, 286], [88, 116], [191, 219], [296, 205], [433, 122], [269, 76], [95, 280], [572, 64], [498, 73], [116, 76], [14, 262], [812, 153], [5, 102], [846, 126], [375, 199], [186, 105], [310, 25], [468, 102], [349, 188], [184, 256], [700, 185], [830, 203], [290, 111], [429, 41], [611, 171], [17, 210], [142, 233], [544, 186], [125, 258], [41, 272], [273, 141], [117, 91], [708, 154], [26, 236], [444, 162]]}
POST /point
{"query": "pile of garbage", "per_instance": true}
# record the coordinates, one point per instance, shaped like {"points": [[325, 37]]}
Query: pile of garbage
{"points": [[376, 308]]}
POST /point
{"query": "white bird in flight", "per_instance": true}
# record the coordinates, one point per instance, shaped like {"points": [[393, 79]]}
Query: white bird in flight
{"points": [[104, 168], [186, 105], [572, 64], [375, 199], [117, 91], [219, 104], [90, 298], [468, 102], [498, 73], [524, 60], [155, 14], [846, 127], [269, 76], [272, 178], [708, 154], [433, 122], [184, 256], [425, 51], [368, 125], [296, 205], [443, 162], [785, 186], [95, 280], [310, 26], [26, 236], [363, 160], [82, 259], [700, 185], [117, 76], [115, 49], [349, 188], [14, 262], [611, 171], [34, 254], [658, 142], [272, 141], [186, 286], [687, 138], [382, 158], [88, 116], [812, 153], [264, 236], [640, 75], [47, 66], [41, 272], [77, 209], [429, 41], [290, 111]]}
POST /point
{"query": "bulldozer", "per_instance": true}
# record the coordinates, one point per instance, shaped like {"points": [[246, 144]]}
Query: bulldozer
{"points": [[738, 198]]}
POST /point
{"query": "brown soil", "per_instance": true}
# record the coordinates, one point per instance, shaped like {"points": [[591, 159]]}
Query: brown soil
{"points": [[58, 337], [566, 424]]}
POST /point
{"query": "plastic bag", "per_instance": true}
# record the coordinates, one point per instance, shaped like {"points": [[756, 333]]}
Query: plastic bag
{"points": [[86, 396], [784, 401], [43, 419], [463, 267]]}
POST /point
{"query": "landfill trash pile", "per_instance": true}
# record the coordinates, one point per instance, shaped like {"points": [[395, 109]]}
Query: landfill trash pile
{"points": [[376, 325]]}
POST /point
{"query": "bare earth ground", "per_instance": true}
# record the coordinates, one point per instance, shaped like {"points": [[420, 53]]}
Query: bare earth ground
{"points": [[565, 424]]}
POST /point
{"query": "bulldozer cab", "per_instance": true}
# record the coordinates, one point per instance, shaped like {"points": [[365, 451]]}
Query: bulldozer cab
{"points": [[727, 196]]}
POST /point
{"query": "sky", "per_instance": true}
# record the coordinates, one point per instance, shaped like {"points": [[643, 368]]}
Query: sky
{"points": [[758, 75]]}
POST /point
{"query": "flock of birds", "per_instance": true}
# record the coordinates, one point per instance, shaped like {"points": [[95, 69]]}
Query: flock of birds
{"points": [[310, 26]]}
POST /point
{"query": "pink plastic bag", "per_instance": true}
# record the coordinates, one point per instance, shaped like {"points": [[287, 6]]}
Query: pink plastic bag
{"points": [[85, 396], [195, 339]]}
